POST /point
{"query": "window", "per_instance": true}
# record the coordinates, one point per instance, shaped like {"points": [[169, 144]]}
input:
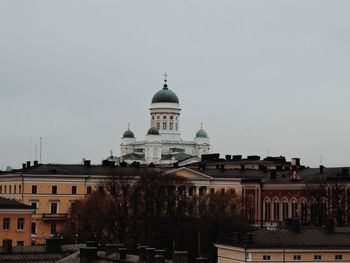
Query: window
{"points": [[53, 228], [303, 212], [164, 125], [317, 257], [192, 191], [171, 126], [54, 190], [20, 223], [33, 228], [276, 210], [74, 190], [20, 243], [15, 189], [267, 210], [294, 209], [10, 190], [0, 189], [5, 189], [34, 189], [285, 209], [101, 189], [152, 117], [202, 190], [176, 126], [53, 209], [297, 257], [20, 189], [212, 191], [171, 117], [34, 205], [338, 257], [88, 190], [266, 257], [164, 117], [158, 125], [158, 117], [6, 223]]}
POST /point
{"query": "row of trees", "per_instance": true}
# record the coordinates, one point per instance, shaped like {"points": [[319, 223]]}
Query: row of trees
{"points": [[154, 209]]}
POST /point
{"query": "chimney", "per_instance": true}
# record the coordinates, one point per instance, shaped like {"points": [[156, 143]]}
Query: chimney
{"points": [[28, 164], [36, 162], [236, 157], [228, 157], [87, 163], [295, 161], [24, 165], [321, 169]]}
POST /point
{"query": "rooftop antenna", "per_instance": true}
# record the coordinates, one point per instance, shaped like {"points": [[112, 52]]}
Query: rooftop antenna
{"points": [[41, 148], [321, 159], [36, 152]]}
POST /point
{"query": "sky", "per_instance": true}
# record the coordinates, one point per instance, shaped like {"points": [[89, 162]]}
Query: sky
{"points": [[264, 77]]}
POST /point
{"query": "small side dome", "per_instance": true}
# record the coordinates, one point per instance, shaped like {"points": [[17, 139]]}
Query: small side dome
{"points": [[201, 134], [153, 131], [128, 134]]}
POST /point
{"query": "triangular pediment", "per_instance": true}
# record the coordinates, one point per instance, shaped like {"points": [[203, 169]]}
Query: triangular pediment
{"points": [[189, 174]]}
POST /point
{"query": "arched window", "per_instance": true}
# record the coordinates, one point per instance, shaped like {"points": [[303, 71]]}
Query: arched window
{"points": [[294, 209], [303, 210], [267, 210], [276, 210], [285, 210]]}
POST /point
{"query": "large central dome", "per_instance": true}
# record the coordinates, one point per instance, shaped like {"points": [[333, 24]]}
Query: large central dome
{"points": [[165, 95]]}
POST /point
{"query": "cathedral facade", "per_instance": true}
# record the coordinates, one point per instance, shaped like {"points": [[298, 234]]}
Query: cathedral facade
{"points": [[163, 144]]}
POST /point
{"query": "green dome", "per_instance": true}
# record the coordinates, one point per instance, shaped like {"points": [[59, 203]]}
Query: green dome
{"points": [[128, 134], [201, 134], [153, 131], [165, 95]]}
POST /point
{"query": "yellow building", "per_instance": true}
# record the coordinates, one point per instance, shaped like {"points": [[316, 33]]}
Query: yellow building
{"points": [[281, 245], [51, 189], [15, 219]]}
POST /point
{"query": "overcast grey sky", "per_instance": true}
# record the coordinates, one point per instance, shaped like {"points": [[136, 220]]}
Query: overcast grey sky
{"points": [[263, 76]]}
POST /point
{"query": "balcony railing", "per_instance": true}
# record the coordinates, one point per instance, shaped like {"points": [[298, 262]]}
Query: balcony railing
{"points": [[54, 217]]}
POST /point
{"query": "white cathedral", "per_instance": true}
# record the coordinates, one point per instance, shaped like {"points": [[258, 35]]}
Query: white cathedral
{"points": [[163, 144]]}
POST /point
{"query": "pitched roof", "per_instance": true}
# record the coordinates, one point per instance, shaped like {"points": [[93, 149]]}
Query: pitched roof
{"points": [[8, 203], [306, 238]]}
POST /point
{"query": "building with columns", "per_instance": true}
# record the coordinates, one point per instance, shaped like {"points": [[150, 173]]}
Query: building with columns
{"points": [[163, 144]]}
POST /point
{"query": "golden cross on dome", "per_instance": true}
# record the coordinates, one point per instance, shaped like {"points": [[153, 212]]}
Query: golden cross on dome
{"points": [[128, 126], [201, 125], [165, 77]]}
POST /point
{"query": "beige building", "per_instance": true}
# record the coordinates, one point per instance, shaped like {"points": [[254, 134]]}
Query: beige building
{"points": [[282, 245]]}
